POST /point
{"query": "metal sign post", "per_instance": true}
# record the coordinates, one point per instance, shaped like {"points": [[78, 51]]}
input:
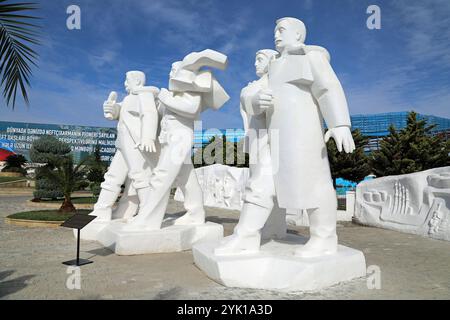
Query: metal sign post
{"points": [[78, 221]]}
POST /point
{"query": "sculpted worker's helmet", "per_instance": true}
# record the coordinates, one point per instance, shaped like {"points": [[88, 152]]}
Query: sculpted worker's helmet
{"points": [[189, 77]]}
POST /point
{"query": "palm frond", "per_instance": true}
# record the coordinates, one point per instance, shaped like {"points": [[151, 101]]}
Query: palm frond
{"points": [[17, 32]]}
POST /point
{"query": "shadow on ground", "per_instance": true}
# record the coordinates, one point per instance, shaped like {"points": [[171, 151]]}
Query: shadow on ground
{"points": [[102, 252], [221, 220], [8, 287], [170, 294]]}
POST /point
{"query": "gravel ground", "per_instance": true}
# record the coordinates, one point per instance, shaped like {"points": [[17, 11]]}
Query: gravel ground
{"points": [[411, 267]]}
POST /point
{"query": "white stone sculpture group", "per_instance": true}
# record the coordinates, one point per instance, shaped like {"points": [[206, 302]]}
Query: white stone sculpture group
{"points": [[151, 164], [283, 113]]}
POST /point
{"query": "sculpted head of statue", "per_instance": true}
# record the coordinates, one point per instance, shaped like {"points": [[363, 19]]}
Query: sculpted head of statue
{"points": [[180, 79], [262, 59], [290, 34], [134, 80]]}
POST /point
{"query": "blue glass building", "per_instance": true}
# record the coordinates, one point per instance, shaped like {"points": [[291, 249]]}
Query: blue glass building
{"points": [[18, 137], [202, 138], [375, 126]]}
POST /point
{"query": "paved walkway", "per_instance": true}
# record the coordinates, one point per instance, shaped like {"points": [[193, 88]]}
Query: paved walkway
{"points": [[412, 267]]}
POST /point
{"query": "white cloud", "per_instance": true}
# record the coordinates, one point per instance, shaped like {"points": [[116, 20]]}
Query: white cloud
{"points": [[308, 4], [426, 30], [412, 73]]}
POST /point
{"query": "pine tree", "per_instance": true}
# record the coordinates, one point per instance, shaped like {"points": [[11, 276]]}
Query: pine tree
{"points": [[350, 166], [388, 159], [220, 151], [411, 149]]}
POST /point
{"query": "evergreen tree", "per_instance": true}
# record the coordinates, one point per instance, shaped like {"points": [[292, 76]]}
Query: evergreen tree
{"points": [[96, 172], [220, 151], [47, 150], [59, 176], [411, 149], [350, 166]]}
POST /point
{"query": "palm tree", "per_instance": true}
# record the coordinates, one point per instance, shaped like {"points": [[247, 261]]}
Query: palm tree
{"points": [[17, 32], [15, 163], [68, 178]]}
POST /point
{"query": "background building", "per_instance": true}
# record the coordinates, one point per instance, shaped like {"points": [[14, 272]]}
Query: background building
{"points": [[204, 137], [17, 137], [375, 126]]}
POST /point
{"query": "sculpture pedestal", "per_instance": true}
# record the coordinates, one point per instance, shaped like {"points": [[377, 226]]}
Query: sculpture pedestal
{"points": [[167, 239], [276, 268]]}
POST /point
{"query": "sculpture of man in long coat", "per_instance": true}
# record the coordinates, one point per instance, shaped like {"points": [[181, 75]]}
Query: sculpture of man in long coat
{"points": [[303, 92]]}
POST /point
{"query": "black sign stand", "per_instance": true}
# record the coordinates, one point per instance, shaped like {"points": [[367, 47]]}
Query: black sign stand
{"points": [[78, 221]]}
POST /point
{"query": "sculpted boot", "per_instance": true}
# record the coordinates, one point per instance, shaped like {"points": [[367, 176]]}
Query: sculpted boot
{"points": [[104, 204], [128, 204], [247, 234], [276, 226], [322, 229], [192, 217], [151, 212], [138, 221], [193, 202], [127, 208], [193, 197], [155, 211]]}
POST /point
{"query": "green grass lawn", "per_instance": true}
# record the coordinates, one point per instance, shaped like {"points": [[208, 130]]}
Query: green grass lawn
{"points": [[75, 200], [45, 215], [11, 179]]}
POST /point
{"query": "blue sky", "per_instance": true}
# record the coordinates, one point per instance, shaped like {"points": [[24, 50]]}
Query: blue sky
{"points": [[403, 66]]}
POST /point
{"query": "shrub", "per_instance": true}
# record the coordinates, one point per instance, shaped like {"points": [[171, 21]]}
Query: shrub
{"points": [[14, 169], [47, 189], [59, 176], [14, 163]]}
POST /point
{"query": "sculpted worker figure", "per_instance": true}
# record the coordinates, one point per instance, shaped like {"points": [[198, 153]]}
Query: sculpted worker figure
{"points": [[303, 91], [136, 136], [191, 91], [260, 187]]}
